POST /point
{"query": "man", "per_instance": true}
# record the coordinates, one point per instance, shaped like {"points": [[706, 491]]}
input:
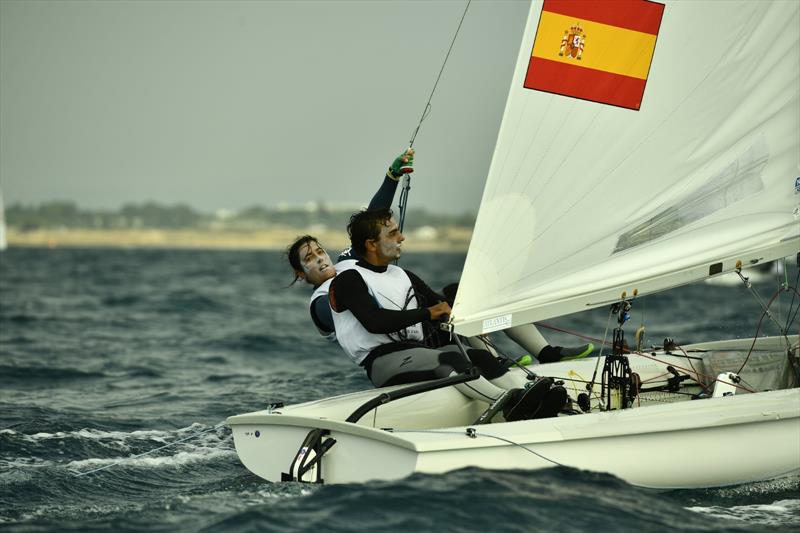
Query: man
{"points": [[311, 263], [386, 321]]}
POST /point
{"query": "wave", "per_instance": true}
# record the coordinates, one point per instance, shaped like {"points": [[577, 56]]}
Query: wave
{"points": [[248, 342], [123, 300], [20, 319], [168, 448], [782, 513], [556, 499], [198, 454], [50, 373]]}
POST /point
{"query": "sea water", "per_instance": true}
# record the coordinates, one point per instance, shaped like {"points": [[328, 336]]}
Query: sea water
{"points": [[126, 362]]}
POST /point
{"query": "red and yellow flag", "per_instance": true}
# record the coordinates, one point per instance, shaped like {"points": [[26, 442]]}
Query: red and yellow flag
{"points": [[597, 50]]}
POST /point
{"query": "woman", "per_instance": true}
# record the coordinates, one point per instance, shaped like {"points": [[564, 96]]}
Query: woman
{"points": [[311, 263]]}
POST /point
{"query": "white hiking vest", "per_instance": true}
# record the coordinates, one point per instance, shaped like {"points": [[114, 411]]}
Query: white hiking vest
{"points": [[391, 290], [323, 289]]}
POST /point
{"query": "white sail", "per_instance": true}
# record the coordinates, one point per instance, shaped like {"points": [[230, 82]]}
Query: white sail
{"points": [[585, 200]]}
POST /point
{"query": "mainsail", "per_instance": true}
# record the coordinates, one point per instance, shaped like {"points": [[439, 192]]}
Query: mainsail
{"points": [[591, 194]]}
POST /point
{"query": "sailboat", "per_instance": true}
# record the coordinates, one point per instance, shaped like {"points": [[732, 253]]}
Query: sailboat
{"points": [[644, 146]]}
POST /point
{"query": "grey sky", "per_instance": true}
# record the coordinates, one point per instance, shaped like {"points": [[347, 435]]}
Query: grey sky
{"points": [[231, 104]]}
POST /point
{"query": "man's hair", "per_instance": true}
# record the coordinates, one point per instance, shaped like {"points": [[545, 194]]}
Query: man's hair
{"points": [[293, 254], [366, 225]]}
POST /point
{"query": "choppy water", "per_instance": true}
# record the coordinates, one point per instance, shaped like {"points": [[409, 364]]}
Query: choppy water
{"points": [[108, 354]]}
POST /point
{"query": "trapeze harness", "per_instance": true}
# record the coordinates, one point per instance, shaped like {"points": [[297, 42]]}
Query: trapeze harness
{"points": [[392, 290], [320, 311]]}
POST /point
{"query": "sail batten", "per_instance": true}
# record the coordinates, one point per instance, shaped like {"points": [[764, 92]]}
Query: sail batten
{"points": [[585, 199]]}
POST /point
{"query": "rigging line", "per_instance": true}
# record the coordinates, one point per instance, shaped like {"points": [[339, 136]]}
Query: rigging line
{"points": [[780, 284], [476, 391], [705, 388], [137, 456], [479, 434], [758, 328], [597, 396], [760, 302], [698, 374], [590, 386], [789, 317], [403, 203], [512, 361], [426, 111], [573, 333], [594, 395]]}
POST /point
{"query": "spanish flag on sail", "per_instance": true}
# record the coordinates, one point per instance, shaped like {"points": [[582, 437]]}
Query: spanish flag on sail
{"points": [[598, 50]]}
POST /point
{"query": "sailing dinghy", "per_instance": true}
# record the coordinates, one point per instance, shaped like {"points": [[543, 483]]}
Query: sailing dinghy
{"points": [[643, 146]]}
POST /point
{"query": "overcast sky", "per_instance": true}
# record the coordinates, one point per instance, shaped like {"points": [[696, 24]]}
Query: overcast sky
{"points": [[233, 104]]}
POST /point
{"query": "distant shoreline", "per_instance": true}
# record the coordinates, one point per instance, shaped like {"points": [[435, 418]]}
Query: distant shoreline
{"points": [[448, 239]]}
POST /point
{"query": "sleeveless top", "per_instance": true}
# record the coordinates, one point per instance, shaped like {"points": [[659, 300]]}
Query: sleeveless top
{"points": [[322, 291], [390, 290]]}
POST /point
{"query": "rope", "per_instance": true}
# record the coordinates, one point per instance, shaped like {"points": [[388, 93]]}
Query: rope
{"points": [[758, 328], [425, 112], [789, 318], [403, 202], [590, 386], [190, 437], [602, 342], [427, 109], [766, 307]]}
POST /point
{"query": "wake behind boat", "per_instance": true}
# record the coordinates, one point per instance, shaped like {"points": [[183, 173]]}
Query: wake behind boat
{"points": [[644, 146]]}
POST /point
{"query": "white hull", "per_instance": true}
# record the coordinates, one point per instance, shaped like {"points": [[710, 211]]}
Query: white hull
{"points": [[684, 444]]}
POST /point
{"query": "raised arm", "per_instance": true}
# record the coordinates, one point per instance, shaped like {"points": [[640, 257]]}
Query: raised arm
{"points": [[402, 164]]}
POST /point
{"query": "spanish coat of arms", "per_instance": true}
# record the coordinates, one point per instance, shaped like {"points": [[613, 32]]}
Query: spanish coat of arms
{"points": [[572, 42]]}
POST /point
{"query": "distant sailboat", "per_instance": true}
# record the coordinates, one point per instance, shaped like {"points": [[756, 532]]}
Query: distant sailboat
{"points": [[600, 190]]}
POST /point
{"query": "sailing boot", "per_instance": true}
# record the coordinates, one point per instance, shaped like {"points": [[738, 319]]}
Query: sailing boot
{"points": [[525, 360], [553, 402], [552, 354], [526, 402]]}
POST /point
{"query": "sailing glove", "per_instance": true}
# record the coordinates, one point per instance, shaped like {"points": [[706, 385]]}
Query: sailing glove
{"points": [[402, 164]]}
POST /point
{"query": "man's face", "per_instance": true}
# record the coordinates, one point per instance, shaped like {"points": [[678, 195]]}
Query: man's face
{"points": [[316, 263], [389, 243]]}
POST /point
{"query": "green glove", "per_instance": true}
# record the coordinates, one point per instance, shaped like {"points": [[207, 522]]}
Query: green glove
{"points": [[403, 164]]}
